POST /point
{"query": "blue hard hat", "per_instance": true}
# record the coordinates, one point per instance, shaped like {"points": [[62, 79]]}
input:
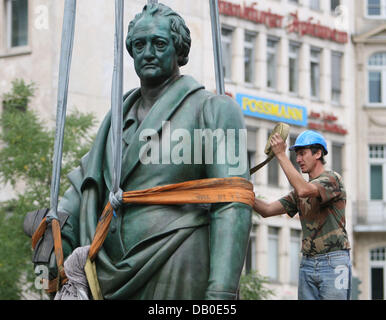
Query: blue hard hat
{"points": [[308, 138]]}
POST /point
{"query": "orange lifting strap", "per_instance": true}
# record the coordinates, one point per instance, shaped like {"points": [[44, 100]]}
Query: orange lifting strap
{"points": [[213, 190]]}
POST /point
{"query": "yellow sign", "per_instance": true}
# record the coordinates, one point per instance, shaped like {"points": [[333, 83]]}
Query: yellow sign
{"points": [[272, 110]]}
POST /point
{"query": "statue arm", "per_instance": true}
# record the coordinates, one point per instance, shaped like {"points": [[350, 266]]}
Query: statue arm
{"points": [[70, 204], [230, 223]]}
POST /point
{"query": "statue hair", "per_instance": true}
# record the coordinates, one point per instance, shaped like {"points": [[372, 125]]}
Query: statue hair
{"points": [[180, 32]]}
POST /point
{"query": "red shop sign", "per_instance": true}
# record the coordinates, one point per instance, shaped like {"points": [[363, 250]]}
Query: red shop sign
{"points": [[273, 20]]}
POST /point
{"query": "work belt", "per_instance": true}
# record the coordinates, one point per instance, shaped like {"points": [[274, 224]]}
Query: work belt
{"points": [[213, 190]]}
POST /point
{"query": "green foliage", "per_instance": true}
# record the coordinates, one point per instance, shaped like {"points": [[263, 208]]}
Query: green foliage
{"points": [[20, 95], [253, 287], [26, 154]]}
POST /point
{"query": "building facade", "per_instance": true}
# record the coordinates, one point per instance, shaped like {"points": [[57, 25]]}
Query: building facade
{"points": [[290, 61], [284, 60], [370, 207]]}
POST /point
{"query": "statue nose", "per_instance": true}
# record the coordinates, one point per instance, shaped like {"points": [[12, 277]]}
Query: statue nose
{"points": [[149, 51]]}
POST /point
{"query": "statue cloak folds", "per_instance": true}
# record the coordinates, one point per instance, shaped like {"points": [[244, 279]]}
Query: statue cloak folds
{"points": [[162, 251]]}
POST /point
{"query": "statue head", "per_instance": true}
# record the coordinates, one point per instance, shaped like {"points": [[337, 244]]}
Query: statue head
{"points": [[178, 29]]}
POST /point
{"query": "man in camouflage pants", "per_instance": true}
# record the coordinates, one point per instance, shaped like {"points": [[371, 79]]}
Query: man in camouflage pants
{"points": [[325, 269]]}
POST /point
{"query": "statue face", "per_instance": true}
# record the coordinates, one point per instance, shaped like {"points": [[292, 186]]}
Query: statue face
{"points": [[155, 58]]}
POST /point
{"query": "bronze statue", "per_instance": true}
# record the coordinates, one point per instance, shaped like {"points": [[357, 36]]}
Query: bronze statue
{"points": [[163, 251]]}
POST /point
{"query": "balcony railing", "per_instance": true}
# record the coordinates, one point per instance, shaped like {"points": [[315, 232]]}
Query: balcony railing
{"points": [[369, 215]]}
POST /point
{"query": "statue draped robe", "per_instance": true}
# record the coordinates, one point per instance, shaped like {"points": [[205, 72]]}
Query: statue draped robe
{"points": [[162, 251]]}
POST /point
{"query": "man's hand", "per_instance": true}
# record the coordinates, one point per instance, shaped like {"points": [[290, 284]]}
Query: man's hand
{"points": [[278, 145]]}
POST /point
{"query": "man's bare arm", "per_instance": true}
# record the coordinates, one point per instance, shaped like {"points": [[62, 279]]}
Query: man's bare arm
{"points": [[268, 209], [303, 188]]}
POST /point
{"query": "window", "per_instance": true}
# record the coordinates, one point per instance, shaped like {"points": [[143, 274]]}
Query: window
{"points": [[251, 148], [16, 23], [377, 78], [292, 156], [376, 211], [376, 177], [226, 40], [314, 4], [293, 67], [315, 72], [295, 244], [271, 62], [273, 253], [334, 4], [273, 171], [378, 254], [251, 160], [249, 53], [337, 153], [250, 260], [376, 8], [377, 273], [336, 74], [377, 161], [373, 7]]}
